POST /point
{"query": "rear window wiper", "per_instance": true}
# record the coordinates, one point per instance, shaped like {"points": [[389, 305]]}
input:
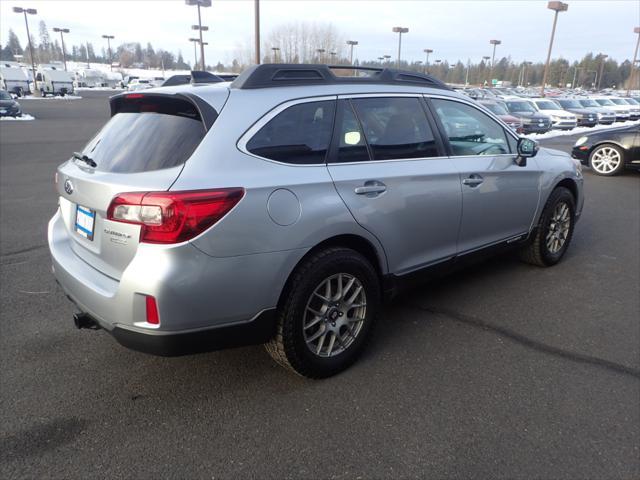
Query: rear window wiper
{"points": [[85, 159]]}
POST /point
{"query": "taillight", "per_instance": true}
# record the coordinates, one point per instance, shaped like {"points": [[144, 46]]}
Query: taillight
{"points": [[152, 311], [173, 217]]}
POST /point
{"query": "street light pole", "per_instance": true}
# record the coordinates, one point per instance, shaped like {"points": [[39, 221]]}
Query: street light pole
{"points": [[109, 38], [320, 52], [486, 58], [199, 27], [64, 54], [195, 52], [351, 44], [387, 58], [557, 7], [495, 43], [257, 29], [30, 11], [400, 31], [275, 54], [633, 64], [602, 59], [426, 62]]}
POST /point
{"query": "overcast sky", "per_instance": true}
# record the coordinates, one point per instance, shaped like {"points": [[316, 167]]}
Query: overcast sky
{"points": [[453, 29]]}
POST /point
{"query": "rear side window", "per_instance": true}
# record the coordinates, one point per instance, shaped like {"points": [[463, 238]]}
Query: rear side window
{"points": [[396, 128], [148, 133], [300, 134]]}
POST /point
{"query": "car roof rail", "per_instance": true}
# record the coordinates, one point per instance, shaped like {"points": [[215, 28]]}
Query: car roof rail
{"points": [[289, 75]]}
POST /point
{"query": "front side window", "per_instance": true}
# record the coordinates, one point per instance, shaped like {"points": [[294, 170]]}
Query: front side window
{"points": [[396, 128], [300, 134], [470, 131]]}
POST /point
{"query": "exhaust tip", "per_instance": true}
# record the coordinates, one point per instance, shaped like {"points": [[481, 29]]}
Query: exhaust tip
{"points": [[83, 320]]}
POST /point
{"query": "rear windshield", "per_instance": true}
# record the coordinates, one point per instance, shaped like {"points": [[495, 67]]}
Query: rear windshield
{"points": [[147, 133]]}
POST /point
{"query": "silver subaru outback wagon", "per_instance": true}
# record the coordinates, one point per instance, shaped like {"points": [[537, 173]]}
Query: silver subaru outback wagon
{"points": [[283, 207]]}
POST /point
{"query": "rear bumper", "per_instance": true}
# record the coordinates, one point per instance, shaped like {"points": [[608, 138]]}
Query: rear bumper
{"points": [[257, 331], [194, 291]]}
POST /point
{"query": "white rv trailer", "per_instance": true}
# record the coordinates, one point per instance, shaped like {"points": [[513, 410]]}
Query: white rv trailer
{"points": [[13, 78], [52, 80]]}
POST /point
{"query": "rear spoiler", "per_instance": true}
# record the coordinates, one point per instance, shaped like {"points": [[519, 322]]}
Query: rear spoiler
{"points": [[196, 77], [208, 114]]}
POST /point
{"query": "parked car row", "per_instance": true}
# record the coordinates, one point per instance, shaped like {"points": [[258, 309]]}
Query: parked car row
{"points": [[540, 115]]}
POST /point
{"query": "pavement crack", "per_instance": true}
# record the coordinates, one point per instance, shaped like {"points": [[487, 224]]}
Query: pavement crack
{"points": [[533, 344], [24, 250]]}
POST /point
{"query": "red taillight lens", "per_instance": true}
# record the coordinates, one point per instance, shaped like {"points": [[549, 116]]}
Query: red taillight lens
{"points": [[173, 217], [133, 95], [152, 311]]}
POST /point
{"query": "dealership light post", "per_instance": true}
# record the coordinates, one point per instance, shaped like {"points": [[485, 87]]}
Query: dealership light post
{"points": [[400, 31], [351, 43], [320, 52], [633, 64], [426, 62], [30, 11], [526, 72], [486, 58], [557, 7], [602, 59], [109, 38], [195, 54], [199, 27], [495, 43], [64, 54], [575, 73], [387, 58], [275, 54]]}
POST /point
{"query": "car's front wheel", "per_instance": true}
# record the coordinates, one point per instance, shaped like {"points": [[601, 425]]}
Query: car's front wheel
{"points": [[554, 232], [328, 313], [607, 160]]}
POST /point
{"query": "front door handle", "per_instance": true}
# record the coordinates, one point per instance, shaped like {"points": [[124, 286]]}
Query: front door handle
{"points": [[371, 188], [473, 180]]}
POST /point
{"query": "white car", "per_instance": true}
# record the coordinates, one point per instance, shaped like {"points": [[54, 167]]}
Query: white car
{"points": [[560, 118], [623, 112], [632, 105], [139, 84]]}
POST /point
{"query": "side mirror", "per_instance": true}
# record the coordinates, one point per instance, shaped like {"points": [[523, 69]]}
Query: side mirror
{"points": [[526, 148]]}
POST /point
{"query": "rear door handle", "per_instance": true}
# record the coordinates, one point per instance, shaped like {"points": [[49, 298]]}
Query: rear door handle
{"points": [[371, 188], [473, 180]]}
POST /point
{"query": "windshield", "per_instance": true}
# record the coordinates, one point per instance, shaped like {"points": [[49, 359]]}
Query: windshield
{"points": [[606, 102], [4, 95], [589, 103], [546, 105], [569, 104], [619, 101], [496, 108], [520, 107], [631, 101], [146, 134]]}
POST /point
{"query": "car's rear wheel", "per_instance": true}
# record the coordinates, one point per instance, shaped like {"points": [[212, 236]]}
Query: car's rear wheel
{"points": [[554, 232], [607, 160], [328, 313]]}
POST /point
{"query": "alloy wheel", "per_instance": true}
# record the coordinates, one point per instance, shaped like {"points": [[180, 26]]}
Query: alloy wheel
{"points": [[605, 160], [334, 315], [559, 226]]}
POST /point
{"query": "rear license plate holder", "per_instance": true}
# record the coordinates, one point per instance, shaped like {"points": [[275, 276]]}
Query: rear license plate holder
{"points": [[85, 222]]}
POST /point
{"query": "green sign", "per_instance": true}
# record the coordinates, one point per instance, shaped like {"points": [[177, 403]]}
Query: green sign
{"points": [[494, 81]]}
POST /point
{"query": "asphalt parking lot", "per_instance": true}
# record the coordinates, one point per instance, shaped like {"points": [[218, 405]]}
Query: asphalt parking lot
{"points": [[503, 370]]}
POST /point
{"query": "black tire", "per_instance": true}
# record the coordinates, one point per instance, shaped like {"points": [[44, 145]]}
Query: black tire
{"points": [[289, 347], [600, 148], [536, 251]]}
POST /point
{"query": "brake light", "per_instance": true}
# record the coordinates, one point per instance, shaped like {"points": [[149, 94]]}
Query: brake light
{"points": [[152, 311], [133, 95], [173, 217]]}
